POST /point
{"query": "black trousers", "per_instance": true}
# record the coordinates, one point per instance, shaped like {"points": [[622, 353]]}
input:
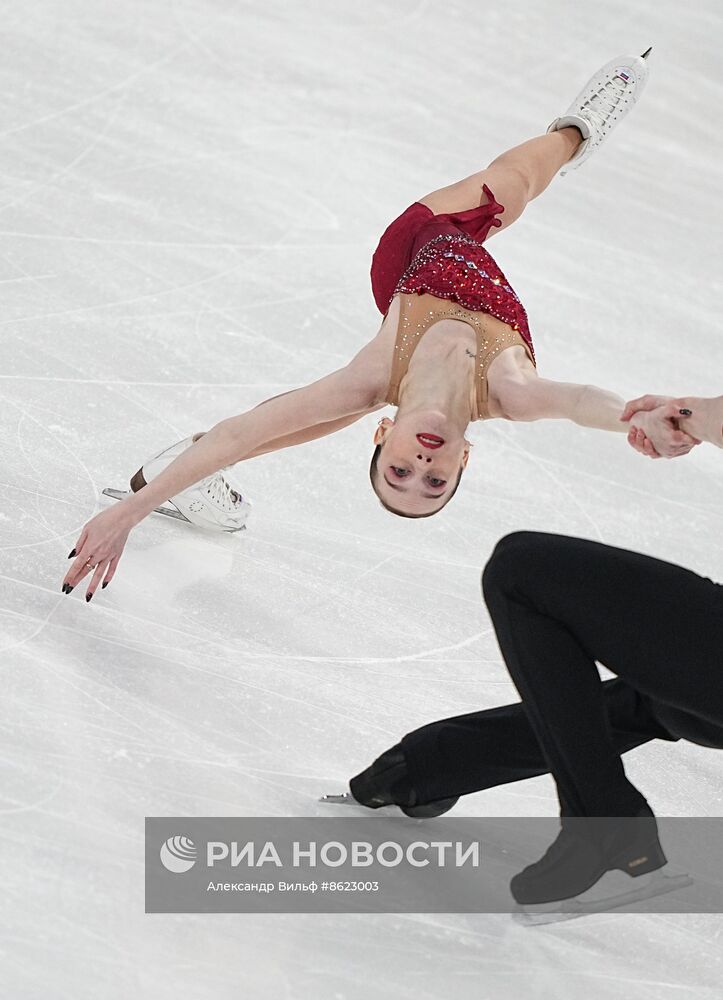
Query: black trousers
{"points": [[558, 605]]}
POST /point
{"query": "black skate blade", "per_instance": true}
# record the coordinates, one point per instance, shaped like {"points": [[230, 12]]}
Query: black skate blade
{"points": [[647, 53], [168, 511], [657, 884], [342, 799], [428, 811]]}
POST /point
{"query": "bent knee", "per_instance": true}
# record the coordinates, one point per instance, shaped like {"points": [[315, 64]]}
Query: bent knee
{"points": [[510, 184], [514, 556]]}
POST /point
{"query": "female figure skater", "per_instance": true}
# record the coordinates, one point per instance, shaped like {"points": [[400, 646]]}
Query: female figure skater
{"points": [[454, 347]]}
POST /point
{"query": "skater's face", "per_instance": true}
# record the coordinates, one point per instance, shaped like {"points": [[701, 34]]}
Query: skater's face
{"points": [[419, 464]]}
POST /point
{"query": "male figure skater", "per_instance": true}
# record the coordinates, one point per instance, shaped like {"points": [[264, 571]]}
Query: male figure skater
{"points": [[558, 605]]}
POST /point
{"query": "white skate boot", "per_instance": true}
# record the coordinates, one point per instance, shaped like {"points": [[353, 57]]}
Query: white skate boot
{"points": [[602, 103], [211, 503]]}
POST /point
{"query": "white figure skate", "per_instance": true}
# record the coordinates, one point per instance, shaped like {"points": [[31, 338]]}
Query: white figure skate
{"points": [[212, 503], [602, 103]]}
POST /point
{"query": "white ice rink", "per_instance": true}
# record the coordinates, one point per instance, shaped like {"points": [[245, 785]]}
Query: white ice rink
{"points": [[190, 194]]}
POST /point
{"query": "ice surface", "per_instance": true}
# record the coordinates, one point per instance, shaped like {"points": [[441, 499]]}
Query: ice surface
{"points": [[190, 196]]}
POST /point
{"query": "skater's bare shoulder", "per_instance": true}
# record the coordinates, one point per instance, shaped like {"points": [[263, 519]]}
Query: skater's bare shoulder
{"points": [[512, 379]]}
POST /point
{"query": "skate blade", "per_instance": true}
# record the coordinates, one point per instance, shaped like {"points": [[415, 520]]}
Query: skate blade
{"points": [[603, 896], [342, 799], [168, 511]]}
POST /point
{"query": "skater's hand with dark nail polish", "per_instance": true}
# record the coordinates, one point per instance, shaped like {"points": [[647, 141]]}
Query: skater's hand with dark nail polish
{"points": [[703, 418], [699, 417], [658, 434], [98, 550]]}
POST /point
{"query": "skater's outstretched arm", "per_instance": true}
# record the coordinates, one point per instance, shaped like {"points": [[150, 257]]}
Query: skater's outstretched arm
{"points": [[522, 395], [346, 393], [331, 402], [308, 434]]}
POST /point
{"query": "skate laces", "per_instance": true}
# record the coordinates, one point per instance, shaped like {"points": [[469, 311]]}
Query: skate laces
{"points": [[605, 101], [222, 493]]}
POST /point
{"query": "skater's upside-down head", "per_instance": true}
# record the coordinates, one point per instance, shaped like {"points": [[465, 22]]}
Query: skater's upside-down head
{"points": [[415, 471]]}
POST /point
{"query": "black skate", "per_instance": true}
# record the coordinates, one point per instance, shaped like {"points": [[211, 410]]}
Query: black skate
{"points": [[567, 880], [385, 783]]}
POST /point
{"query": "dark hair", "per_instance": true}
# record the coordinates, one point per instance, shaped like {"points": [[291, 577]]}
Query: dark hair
{"points": [[374, 472]]}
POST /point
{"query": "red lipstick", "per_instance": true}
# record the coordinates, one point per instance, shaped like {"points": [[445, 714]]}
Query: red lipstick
{"points": [[430, 440]]}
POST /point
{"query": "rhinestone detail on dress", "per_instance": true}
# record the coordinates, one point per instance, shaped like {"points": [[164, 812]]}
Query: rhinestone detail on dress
{"points": [[459, 268]]}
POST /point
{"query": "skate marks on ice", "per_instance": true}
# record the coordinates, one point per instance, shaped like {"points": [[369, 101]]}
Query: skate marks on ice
{"points": [[188, 101]]}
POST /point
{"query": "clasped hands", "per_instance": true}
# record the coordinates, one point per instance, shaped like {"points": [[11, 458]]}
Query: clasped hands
{"points": [[663, 427]]}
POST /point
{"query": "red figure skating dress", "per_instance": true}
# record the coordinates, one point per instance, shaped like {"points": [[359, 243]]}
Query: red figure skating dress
{"points": [[441, 257]]}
